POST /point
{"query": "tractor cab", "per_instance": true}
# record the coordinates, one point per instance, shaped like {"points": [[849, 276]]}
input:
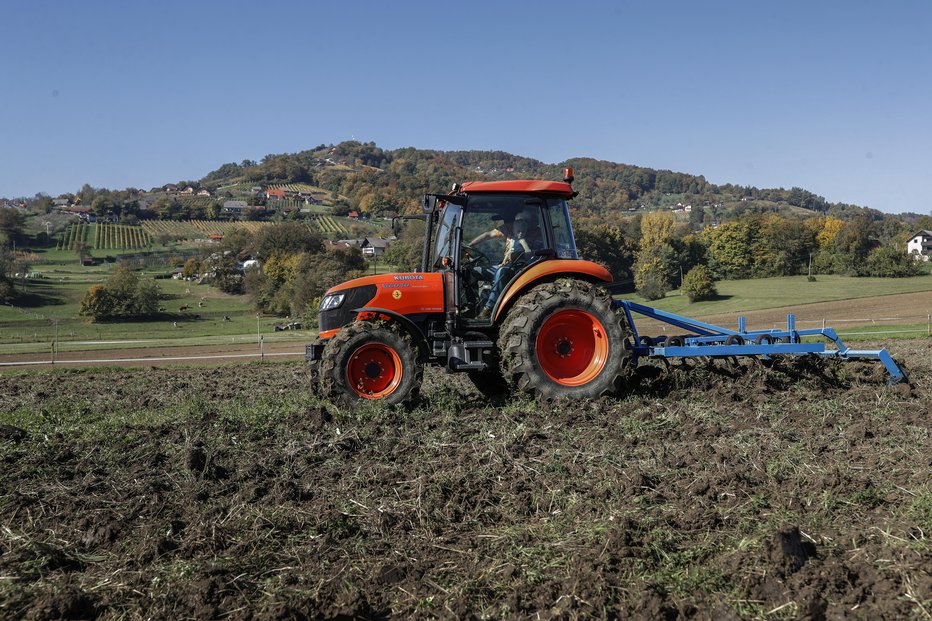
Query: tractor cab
{"points": [[486, 235]]}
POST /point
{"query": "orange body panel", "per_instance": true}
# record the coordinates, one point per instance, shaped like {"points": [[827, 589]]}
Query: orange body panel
{"points": [[405, 294], [560, 267]]}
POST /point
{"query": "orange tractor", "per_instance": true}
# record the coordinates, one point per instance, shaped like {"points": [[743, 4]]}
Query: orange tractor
{"points": [[501, 294]]}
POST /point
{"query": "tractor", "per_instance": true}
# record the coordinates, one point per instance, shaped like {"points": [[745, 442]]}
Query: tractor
{"points": [[501, 294]]}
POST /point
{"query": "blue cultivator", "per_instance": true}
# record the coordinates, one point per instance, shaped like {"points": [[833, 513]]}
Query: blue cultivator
{"points": [[709, 340]]}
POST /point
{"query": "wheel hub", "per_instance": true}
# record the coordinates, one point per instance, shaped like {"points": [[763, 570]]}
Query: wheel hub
{"points": [[373, 370], [564, 347]]}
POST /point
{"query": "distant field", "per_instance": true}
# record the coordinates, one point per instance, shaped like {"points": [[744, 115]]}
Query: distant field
{"points": [[52, 304], [861, 307], [736, 296]]}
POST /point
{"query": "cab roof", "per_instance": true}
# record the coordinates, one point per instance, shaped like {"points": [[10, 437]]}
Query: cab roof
{"points": [[550, 188]]}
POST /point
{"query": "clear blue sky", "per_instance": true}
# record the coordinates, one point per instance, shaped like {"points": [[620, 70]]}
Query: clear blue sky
{"points": [[831, 96]]}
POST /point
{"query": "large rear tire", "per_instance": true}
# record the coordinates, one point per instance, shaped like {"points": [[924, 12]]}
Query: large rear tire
{"points": [[565, 339], [371, 360]]}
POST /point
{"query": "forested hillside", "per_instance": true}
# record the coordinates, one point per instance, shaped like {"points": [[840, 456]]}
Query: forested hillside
{"points": [[378, 180], [651, 227]]}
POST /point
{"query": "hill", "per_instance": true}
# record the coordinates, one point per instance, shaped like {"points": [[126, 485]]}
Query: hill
{"points": [[373, 179]]}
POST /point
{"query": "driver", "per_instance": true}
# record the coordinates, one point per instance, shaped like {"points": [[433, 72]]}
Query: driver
{"points": [[522, 235]]}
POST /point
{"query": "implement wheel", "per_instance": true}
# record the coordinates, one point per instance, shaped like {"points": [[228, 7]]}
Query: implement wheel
{"points": [[371, 360], [565, 339]]}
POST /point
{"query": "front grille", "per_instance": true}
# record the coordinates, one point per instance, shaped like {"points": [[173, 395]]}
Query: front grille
{"points": [[357, 297]]}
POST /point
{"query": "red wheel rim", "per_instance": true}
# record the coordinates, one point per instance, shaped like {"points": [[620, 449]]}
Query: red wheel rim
{"points": [[374, 371], [572, 347]]}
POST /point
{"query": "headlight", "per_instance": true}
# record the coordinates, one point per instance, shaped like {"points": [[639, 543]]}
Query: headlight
{"points": [[331, 301]]}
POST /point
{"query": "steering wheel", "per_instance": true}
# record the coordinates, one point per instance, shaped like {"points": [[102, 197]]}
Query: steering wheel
{"points": [[473, 257]]}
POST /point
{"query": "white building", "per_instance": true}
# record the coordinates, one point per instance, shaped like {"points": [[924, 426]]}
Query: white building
{"points": [[920, 245]]}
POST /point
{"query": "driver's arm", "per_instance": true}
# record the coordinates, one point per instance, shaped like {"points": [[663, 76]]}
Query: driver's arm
{"points": [[486, 236]]}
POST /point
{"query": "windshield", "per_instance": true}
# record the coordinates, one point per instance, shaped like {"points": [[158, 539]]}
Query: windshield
{"points": [[444, 238]]}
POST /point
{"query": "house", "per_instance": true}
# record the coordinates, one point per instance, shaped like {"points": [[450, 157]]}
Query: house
{"points": [[203, 192], [275, 193], [234, 208], [61, 202], [353, 215], [188, 190], [920, 245], [374, 246], [171, 187]]}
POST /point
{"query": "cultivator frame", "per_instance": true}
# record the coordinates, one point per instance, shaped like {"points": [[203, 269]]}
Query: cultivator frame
{"points": [[711, 341]]}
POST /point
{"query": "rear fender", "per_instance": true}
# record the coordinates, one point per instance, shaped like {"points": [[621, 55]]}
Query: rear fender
{"points": [[548, 271]]}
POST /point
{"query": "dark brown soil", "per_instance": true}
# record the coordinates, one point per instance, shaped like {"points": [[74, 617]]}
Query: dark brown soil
{"points": [[800, 491]]}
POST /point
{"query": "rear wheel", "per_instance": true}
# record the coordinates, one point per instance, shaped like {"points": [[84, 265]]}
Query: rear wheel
{"points": [[371, 360], [565, 339]]}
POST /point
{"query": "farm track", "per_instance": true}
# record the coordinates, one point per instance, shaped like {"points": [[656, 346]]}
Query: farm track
{"points": [[158, 356], [723, 492]]}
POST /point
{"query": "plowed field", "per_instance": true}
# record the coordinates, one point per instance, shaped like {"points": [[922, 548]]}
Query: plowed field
{"points": [[800, 491]]}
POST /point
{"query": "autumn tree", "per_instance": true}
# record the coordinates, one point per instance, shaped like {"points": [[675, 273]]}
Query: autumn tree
{"points": [[607, 245], [656, 257], [124, 295], [699, 284], [731, 248]]}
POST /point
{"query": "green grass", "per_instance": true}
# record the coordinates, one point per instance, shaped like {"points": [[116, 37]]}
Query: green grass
{"points": [[52, 304], [737, 296]]}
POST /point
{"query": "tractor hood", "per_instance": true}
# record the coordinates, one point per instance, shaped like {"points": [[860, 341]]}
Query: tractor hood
{"points": [[414, 293]]}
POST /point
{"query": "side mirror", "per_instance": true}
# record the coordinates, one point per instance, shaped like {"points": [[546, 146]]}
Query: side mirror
{"points": [[430, 201], [396, 226]]}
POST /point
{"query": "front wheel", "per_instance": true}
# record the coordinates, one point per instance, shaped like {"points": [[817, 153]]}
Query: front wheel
{"points": [[565, 339], [371, 360]]}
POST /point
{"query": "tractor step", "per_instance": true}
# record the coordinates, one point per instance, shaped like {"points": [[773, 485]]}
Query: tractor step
{"points": [[467, 356]]}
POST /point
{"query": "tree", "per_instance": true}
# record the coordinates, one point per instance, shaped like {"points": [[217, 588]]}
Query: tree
{"points": [[6, 268], [97, 303], [699, 284], [656, 257], [213, 210], [123, 296], [102, 205], [782, 247], [607, 245], [11, 223], [82, 249], [191, 268], [731, 248], [286, 238], [650, 279], [851, 247], [405, 252], [657, 228], [891, 262]]}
